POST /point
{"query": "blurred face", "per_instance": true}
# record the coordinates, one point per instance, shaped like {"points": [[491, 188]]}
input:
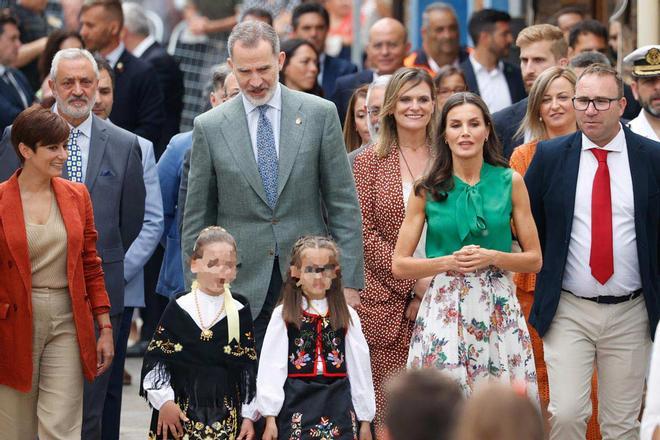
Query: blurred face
{"points": [[9, 44], [48, 160], [98, 30], [217, 96], [104, 99], [599, 125], [567, 21], [74, 88], [302, 69], [360, 119], [231, 87], [340, 8], [414, 107], [312, 28], [449, 85], [257, 70], [216, 267], [647, 92], [316, 272], [71, 43], [374, 104], [387, 46], [466, 131], [441, 35], [588, 43], [534, 59], [500, 40], [556, 107], [614, 33]]}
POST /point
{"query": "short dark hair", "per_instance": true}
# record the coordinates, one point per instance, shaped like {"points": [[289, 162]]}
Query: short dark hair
{"points": [[259, 13], [37, 126], [586, 59], [6, 17], [55, 40], [589, 26], [112, 7], [421, 405], [309, 8], [103, 64], [484, 21], [572, 9], [604, 70]]}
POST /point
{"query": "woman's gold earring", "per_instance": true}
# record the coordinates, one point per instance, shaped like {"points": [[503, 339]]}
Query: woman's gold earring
{"points": [[540, 119]]}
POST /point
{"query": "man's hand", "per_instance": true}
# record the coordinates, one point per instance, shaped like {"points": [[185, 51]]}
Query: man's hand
{"points": [[169, 420], [105, 351], [352, 297]]}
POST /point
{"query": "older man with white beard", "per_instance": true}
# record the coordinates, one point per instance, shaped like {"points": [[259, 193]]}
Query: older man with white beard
{"points": [[108, 160]]}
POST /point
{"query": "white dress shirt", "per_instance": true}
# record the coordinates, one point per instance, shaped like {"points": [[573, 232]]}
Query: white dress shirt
{"points": [[651, 417], [493, 88], [577, 273], [143, 46], [642, 126], [84, 140], [208, 306], [273, 369], [273, 113]]}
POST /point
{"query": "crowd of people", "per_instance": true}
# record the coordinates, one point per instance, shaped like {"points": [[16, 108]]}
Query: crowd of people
{"points": [[437, 244]]}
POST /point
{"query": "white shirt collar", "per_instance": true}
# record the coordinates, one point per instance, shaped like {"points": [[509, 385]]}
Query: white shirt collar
{"points": [[275, 101], [113, 57], [616, 144], [478, 67], [85, 127], [2, 69], [145, 44]]}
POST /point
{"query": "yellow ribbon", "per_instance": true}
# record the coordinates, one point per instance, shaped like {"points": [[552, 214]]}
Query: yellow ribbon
{"points": [[233, 323]]}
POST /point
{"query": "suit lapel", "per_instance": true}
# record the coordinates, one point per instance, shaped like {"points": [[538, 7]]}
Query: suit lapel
{"points": [[570, 167], [235, 129], [97, 145], [470, 77], [9, 91], [292, 127], [13, 224], [637, 160], [72, 223]]}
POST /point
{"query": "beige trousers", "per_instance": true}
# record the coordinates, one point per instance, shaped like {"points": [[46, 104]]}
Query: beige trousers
{"points": [[616, 338], [52, 409]]}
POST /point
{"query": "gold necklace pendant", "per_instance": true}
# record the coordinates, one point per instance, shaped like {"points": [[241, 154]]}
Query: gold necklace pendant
{"points": [[206, 334]]}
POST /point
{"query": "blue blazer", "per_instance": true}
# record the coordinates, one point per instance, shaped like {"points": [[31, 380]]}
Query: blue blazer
{"points": [[511, 73], [551, 181], [170, 166], [10, 101], [506, 122], [345, 87], [333, 68], [152, 228]]}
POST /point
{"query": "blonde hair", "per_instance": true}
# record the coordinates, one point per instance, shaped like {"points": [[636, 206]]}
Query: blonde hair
{"points": [[532, 121], [544, 32], [387, 134]]}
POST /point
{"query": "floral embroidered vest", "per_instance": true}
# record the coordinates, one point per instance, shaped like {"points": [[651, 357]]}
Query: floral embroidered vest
{"points": [[316, 339]]}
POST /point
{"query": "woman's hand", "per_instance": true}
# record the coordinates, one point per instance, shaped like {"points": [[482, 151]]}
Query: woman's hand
{"points": [[656, 434], [247, 430], [472, 257], [198, 24], [365, 431], [169, 420], [412, 309], [270, 432], [421, 286], [105, 351]]}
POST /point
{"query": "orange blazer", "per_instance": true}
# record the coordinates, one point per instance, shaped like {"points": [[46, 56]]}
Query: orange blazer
{"points": [[86, 285]]}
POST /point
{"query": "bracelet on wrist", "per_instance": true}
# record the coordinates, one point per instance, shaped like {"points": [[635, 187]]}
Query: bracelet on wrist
{"points": [[103, 326]]}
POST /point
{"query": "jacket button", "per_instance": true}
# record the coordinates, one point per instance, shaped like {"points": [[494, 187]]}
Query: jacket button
{"points": [[271, 252]]}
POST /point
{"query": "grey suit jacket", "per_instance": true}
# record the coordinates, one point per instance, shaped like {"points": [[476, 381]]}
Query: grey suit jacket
{"points": [[114, 179], [225, 188]]}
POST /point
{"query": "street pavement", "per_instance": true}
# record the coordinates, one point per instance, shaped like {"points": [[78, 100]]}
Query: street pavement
{"points": [[135, 412]]}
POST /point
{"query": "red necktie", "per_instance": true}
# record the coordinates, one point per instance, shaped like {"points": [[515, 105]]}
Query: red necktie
{"points": [[602, 256]]}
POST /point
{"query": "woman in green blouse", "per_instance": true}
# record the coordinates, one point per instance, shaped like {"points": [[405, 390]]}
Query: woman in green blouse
{"points": [[470, 323]]}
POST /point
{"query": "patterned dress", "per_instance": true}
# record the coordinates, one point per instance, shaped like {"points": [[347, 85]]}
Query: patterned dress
{"points": [[470, 325]]}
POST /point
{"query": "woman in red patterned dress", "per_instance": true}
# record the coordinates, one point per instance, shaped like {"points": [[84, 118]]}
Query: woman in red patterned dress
{"points": [[384, 177]]}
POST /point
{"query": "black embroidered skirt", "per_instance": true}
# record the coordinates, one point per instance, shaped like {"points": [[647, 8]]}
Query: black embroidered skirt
{"points": [[219, 422], [317, 408]]}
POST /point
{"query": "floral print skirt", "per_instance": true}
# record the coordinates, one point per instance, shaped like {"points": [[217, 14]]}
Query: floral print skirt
{"points": [[471, 327]]}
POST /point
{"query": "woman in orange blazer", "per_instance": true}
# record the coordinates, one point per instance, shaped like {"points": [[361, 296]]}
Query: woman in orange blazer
{"points": [[52, 288]]}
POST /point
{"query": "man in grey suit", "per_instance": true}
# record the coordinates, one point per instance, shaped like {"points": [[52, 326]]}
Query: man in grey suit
{"points": [[263, 165], [107, 159]]}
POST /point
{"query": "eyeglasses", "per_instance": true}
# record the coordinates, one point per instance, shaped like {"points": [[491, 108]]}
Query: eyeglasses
{"points": [[600, 104], [326, 270], [373, 111]]}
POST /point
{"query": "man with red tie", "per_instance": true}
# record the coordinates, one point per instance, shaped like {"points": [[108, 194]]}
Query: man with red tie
{"points": [[595, 198]]}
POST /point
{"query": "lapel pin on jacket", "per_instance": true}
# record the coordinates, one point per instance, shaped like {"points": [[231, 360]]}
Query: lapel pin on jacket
{"points": [[298, 120]]}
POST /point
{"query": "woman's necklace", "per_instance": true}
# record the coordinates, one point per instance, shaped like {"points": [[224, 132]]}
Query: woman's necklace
{"points": [[406, 163], [207, 333]]}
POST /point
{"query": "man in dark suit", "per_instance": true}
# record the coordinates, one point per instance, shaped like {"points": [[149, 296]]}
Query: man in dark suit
{"points": [[541, 46], [15, 92], [107, 159], [594, 197], [310, 21], [485, 71], [138, 98], [387, 47], [440, 40], [145, 47]]}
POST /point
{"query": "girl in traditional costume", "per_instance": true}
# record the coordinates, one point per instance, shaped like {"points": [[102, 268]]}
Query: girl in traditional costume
{"points": [[314, 371], [199, 371]]}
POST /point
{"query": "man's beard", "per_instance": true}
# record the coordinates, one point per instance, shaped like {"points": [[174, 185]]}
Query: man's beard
{"points": [[261, 101], [648, 106], [72, 111]]}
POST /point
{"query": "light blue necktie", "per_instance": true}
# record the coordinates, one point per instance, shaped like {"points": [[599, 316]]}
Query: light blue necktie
{"points": [[74, 161], [267, 156]]}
